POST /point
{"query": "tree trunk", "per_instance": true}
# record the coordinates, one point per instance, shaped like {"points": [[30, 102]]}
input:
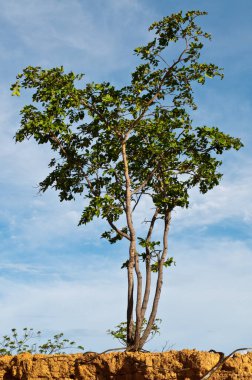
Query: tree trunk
{"points": [[132, 249], [139, 319], [148, 266], [130, 323], [159, 281]]}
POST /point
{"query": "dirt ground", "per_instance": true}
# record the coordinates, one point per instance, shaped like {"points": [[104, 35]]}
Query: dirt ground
{"points": [[171, 365]]}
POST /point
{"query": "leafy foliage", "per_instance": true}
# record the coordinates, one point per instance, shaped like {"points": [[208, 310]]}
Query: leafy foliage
{"points": [[121, 330], [166, 154], [14, 344]]}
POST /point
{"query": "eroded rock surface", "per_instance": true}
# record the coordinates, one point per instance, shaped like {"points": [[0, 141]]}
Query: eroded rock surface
{"points": [[171, 365]]}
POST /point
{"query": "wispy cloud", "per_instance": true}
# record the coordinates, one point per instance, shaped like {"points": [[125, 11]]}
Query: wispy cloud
{"points": [[58, 306], [92, 33], [215, 274], [229, 201], [199, 317]]}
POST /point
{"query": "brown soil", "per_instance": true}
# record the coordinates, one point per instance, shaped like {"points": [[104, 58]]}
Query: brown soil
{"points": [[172, 365]]}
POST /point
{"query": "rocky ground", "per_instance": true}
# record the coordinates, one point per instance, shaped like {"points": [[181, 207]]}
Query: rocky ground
{"points": [[171, 365]]}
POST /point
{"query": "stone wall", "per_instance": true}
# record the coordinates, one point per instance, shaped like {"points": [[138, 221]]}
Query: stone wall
{"points": [[171, 365]]}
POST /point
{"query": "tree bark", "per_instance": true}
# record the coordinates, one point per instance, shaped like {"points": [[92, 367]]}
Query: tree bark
{"points": [[132, 249], [148, 266], [159, 281], [139, 319], [141, 309]]}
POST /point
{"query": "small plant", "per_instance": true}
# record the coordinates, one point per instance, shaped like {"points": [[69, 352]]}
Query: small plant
{"points": [[13, 344], [57, 345], [121, 330]]}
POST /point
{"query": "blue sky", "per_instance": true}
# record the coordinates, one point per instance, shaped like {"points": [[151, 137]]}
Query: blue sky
{"points": [[57, 277]]}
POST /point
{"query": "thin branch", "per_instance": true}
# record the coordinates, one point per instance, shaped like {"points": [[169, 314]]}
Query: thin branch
{"points": [[137, 201], [151, 101], [92, 108], [58, 142], [118, 230], [144, 183], [158, 55]]}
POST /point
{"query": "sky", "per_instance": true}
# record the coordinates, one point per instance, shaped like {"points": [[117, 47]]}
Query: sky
{"points": [[57, 277]]}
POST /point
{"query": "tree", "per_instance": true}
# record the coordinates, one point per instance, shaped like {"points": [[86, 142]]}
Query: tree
{"points": [[117, 147]]}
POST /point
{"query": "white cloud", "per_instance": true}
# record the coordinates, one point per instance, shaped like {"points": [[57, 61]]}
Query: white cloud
{"points": [[205, 298], [19, 268], [58, 306], [230, 201]]}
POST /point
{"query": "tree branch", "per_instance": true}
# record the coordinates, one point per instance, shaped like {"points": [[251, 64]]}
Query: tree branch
{"points": [[148, 266], [137, 201], [58, 142], [117, 230], [144, 183], [151, 101]]}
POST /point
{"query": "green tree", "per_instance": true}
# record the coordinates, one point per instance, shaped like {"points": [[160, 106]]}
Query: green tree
{"points": [[117, 147]]}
